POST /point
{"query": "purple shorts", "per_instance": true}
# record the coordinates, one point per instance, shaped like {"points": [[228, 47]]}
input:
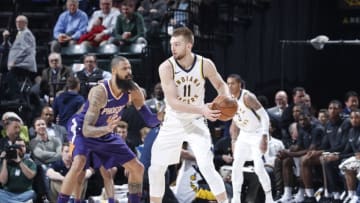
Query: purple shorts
{"points": [[109, 150]]}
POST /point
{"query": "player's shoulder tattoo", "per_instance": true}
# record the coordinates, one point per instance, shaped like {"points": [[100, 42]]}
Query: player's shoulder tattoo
{"points": [[98, 97]]}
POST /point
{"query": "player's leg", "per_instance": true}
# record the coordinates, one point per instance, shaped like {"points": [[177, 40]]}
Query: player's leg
{"points": [[108, 183], [241, 153], [306, 165], [68, 185], [135, 179], [260, 171], [165, 151], [79, 186], [201, 146]]}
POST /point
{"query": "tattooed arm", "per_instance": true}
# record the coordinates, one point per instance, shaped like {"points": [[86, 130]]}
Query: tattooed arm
{"points": [[97, 100]]}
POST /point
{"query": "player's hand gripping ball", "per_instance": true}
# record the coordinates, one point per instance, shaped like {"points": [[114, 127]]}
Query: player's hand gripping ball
{"points": [[227, 105]]}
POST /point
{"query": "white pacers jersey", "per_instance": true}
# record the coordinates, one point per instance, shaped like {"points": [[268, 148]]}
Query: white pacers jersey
{"points": [[190, 85], [245, 118]]}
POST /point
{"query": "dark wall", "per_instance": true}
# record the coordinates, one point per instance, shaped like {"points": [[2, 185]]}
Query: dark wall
{"points": [[255, 51]]}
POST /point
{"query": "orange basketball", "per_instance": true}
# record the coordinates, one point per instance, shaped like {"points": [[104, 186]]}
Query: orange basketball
{"points": [[227, 105]]}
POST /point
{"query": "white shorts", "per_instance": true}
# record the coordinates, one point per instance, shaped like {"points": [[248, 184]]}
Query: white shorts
{"points": [[174, 131]]}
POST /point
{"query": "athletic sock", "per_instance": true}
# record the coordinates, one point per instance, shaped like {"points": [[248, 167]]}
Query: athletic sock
{"points": [[134, 198], [62, 198]]}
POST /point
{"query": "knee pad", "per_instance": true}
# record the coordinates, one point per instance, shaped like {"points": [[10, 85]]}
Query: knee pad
{"points": [[157, 180]]}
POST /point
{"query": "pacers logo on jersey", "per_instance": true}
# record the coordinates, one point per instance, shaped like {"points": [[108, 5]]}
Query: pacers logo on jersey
{"points": [[187, 86]]}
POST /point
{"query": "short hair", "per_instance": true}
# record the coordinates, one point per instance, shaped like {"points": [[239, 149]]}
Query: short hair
{"points": [[37, 119], [324, 111], [24, 18], [297, 89], [89, 55], [238, 79], [127, 2], [116, 60], [337, 102], [73, 1], [72, 82], [185, 32], [122, 124], [349, 94], [65, 144]]}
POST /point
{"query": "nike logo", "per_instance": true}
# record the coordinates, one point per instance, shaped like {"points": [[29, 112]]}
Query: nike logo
{"points": [[177, 72], [110, 100]]}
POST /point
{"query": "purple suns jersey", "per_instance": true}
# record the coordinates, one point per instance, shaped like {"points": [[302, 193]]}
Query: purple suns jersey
{"points": [[113, 109]]}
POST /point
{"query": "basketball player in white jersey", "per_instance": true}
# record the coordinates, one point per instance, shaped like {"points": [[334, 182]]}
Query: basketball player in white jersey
{"points": [[249, 132], [183, 80]]}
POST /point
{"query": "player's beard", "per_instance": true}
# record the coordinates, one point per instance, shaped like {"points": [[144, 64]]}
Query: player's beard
{"points": [[125, 84]]}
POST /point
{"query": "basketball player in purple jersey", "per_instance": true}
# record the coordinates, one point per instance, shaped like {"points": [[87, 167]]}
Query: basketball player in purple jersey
{"points": [[92, 131]]}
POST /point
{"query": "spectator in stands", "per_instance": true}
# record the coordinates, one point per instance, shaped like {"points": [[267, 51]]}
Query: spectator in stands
{"points": [[153, 12], [331, 141], [24, 132], [281, 101], [21, 60], [180, 16], [53, 129], [57, 171], [69, 102], [12, 129], [70, 25], [16, 175], [351, 102], [156, 103], [108, 16], [90, 75], [310, 136], [53, 79], [323, 116], [130, 26], [45, 149]]}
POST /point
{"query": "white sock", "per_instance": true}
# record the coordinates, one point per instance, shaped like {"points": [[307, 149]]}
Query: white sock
{"points": [[287, 191], [326, 193], [336, 195], [300, 191], [309, 192], [351, 193]]}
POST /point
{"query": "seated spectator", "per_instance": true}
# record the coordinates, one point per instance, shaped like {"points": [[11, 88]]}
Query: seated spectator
{"points": [[70, 25], [153, 12], [12, 131], [53, 129], [101, 24], [156, 103], [53, 79], [45, 149], [351, 103], [21, 59], [16, 175], [56, 173], [90, 38], [130, 26], [323, 116], [69, 102], [24, 132], [90, 75], [180, 16]]}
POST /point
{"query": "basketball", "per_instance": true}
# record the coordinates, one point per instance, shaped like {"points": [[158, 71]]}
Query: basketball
{"points": [[227, 105]]}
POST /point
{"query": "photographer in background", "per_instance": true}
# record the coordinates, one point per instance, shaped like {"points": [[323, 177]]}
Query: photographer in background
{"points": [[12, 127], [17, 173]]}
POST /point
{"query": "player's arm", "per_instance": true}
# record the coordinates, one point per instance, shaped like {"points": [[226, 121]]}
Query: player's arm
{"points": [[251, 102], [97, 100], [170, 92], [217, 82], [138, 99], [234, 133]]}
